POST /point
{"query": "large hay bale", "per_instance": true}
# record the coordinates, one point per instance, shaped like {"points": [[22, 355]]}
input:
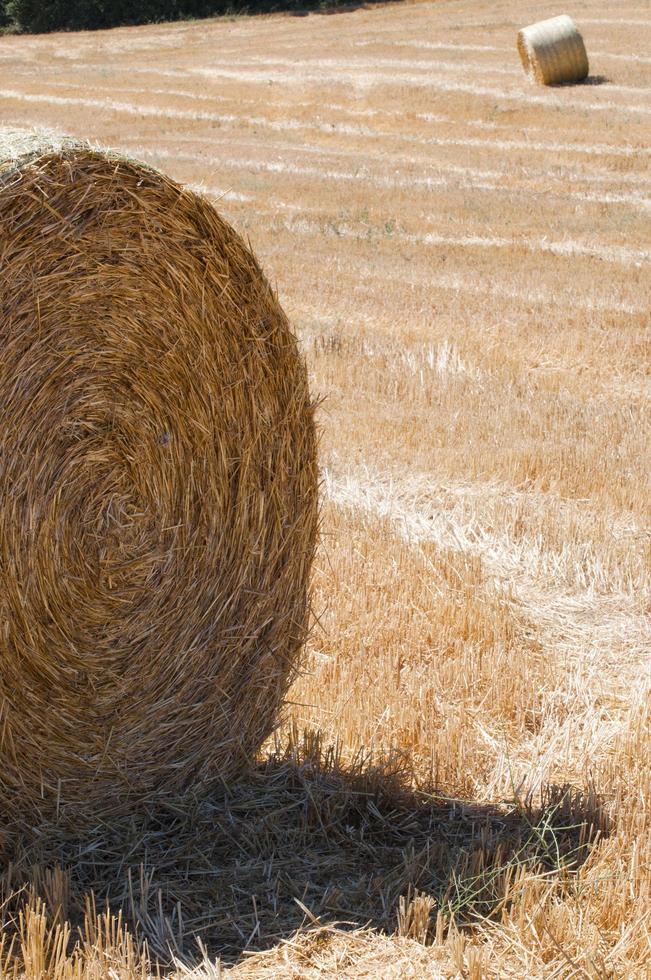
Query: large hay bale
{"points": [[552, 51], [158, 488]]}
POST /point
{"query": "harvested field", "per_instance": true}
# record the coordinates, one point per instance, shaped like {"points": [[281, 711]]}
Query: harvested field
{"points": [[461, 785]]}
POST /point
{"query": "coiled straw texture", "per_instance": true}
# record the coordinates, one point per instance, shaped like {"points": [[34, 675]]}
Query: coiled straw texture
{"points": [[158, 488], [553, 52]]}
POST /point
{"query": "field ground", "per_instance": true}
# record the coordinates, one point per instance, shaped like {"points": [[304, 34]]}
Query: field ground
{"points": [[466, 261]]}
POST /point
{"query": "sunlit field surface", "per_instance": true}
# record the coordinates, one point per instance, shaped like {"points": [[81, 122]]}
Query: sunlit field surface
{"points": [[461, 786]]}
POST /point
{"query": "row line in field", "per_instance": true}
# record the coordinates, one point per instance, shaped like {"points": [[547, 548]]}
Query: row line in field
{"points": [[414, 512], [475, 179], [528, 297], [618, 254], [472, 180], [492, 48], [616, 22], [138, 109], [177, 43], [571, 173], [330, 128], [362, 81], [404, 26], [377, 65], [473, 175], [464, 177]]}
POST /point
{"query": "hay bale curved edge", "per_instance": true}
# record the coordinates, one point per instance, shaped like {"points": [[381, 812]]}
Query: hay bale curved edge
{"points": [[158, 488], [552, 51]]}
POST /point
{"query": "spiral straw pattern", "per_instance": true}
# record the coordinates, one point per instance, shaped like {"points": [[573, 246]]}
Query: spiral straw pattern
{"points": [[158, 488]]}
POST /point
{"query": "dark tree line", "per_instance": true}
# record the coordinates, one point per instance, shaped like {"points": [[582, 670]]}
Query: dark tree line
{"points": [[55, 15]]}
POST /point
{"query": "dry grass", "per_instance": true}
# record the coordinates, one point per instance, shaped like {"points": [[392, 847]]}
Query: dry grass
{"points": [[465, 259]]}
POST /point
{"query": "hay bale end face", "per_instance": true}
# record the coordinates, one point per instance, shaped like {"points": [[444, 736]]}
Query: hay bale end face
{"points": [[158, 488], [552, 52]]}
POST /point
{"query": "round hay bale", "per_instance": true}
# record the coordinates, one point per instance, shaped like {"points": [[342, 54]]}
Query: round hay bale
{"points": [[552, 51], [158, 488]]}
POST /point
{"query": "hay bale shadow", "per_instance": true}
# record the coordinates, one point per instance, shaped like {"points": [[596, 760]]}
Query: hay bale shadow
{"points": [[590, 80], [596, 80], [304, 840]]}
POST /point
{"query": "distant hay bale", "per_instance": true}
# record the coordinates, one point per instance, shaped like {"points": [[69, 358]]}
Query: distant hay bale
{"points": [[158, 488], [552, 51]]}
